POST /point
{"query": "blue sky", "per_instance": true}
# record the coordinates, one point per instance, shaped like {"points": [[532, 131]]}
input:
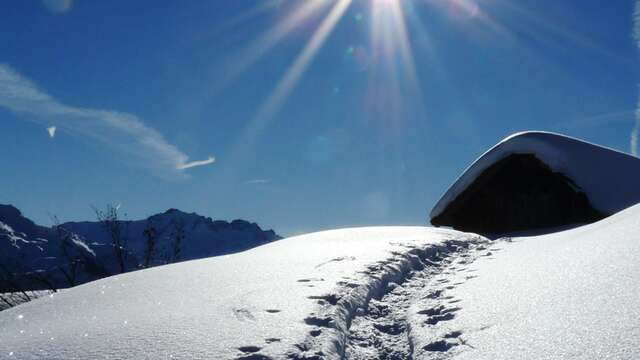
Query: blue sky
{"points": [[319, 113]]}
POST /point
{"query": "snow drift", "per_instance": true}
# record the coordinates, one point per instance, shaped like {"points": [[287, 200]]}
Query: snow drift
{"points": [[539, 180]]}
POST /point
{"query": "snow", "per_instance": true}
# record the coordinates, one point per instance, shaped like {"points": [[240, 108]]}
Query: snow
{"points": [[10, 234], [27, 250], [362, 293], [608, 177], [568, 295], [296, 296]]}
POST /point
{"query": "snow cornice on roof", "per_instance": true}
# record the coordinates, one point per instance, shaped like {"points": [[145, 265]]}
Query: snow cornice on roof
{"points": [[608, 177]]}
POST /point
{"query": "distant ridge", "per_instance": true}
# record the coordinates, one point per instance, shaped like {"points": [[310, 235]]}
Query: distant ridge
{"points": [[34, 257]]}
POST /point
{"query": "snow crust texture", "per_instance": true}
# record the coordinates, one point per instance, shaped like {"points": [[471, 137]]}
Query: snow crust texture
{"points": [[608, 177]]}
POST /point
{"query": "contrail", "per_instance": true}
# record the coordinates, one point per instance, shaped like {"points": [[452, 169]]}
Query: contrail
{"points": [[128, 134], [193, 164]]}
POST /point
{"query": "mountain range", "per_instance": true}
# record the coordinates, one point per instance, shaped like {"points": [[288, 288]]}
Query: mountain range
{"points": [[36, 257]]}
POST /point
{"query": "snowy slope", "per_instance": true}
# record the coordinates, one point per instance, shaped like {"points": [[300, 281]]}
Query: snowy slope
{"points": [[369, 293], [295, 296], [608, 177], [568, 295], [202, 237]]}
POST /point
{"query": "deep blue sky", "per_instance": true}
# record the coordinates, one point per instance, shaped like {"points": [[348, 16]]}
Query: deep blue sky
{"points": [[360, 139]]}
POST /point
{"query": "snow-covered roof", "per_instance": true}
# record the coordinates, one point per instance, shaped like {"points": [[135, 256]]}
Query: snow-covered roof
{"points": [[608, 177]]}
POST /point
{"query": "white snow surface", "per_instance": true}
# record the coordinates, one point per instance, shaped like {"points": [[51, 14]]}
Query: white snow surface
{"points": [[568, 295], [608, 177], [365, 293], [261, 302]]}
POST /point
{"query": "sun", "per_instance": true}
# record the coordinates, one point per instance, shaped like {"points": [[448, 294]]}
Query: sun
{"points": [[389, 48]]}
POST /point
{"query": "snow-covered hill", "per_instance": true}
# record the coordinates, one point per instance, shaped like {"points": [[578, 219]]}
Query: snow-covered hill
{"points": [[295, 296], [393, 293], [568, 295]]}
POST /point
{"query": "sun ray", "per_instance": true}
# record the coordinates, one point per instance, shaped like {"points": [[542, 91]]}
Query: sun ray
{"points": [[273, 103], [394, 79], [302, 11], [556, 29], [303, 60]]}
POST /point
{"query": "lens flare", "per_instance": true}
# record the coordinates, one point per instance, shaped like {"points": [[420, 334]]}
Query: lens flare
{"points": [[284, 87], [388, 59]]}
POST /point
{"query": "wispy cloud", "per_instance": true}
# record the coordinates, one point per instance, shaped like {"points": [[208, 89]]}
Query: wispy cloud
{"points": [[257, 181], [192, 164], [52, 131], [635, 133], [597, 120], [126, 133], [58, 6]]}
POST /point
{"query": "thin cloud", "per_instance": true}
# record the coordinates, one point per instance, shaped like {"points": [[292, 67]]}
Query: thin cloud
{"points": [[635, 133], [192, 164], [126, 133], [58, 6], [257, 181], [598, 120], [52, 131]]}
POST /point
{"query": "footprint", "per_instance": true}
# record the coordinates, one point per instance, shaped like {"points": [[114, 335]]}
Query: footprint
{"points": [[338, 259], [433, 320], [453, 334], [439, 310], [249, 349], [439, 346], [320, 322], [315, 333], [254, 357], [330, 298], [272, 340], [310, 280], [347, 284], [391, 329], [243, 315], [435, 294], [273, 311]]}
